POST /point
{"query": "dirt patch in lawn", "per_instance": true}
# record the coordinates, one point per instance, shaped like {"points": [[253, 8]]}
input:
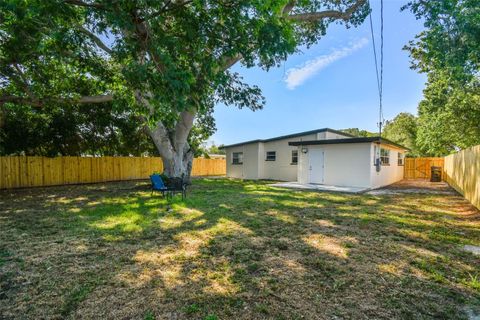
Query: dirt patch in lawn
{"points": [[234, 249], [416, 187]]}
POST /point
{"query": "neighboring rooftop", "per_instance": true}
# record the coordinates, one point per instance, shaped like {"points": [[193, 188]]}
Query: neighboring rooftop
{"points": [[348, 140], [294, 135]]}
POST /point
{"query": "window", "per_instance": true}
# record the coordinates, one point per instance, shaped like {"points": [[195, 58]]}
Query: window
{"points": [[294, 156], [237, 157], [401, 159], [384, 157], [271, 156]]}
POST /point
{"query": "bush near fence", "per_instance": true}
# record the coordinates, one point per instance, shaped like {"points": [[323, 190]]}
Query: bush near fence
{"points": [[17, 172]]}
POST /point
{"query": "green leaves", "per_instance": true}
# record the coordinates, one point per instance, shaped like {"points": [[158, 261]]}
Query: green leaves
{"points": [[448, 50], [403, 130], [450, 41], [158, 58]]}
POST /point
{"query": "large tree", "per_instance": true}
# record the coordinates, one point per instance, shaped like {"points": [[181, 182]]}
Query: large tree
{"points": [[448, 51], [403, 130], [168, 61]]}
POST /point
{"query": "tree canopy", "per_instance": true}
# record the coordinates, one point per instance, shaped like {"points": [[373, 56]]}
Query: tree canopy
{"points": [[359, 132], [448, 51], [403, 130], [167, 61]]}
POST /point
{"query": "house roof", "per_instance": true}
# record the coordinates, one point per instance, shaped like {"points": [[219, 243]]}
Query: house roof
{"points": [[348, 140], [289, 136]]}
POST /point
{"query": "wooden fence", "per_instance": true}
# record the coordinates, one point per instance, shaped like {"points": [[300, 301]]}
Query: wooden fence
{"points": [[462, 172], [420, 168], [17, 172]]}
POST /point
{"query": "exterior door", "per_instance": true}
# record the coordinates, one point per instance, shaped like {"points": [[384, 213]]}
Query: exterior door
{"points": [[316, 164]]}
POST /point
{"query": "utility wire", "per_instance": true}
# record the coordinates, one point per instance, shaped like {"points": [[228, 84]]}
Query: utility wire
{"points": [[379, 74], [374, 53], [381, 68]]}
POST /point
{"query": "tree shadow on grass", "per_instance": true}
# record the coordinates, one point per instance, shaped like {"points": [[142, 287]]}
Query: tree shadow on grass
{"points": [[238, 249]]}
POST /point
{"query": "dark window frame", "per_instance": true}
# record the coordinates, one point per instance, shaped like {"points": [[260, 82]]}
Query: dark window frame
{"points": [[401, 159], [294, 157], [239, 160], [384, 159], [274, 156]]}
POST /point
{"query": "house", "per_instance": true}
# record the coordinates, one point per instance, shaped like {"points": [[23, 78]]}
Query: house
{"points": [[323, 156]]}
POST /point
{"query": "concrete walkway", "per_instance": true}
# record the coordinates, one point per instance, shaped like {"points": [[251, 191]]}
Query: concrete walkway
{"points": [[319, 187]]}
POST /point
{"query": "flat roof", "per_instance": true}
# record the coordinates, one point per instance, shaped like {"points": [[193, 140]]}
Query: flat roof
{"points": [[348, 140], [294, 135]]}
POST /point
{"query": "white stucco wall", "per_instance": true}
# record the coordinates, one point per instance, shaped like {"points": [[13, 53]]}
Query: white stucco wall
{"points": [[256, 167], [249, 169], [282, 168], [344, 164], [388, 173]]}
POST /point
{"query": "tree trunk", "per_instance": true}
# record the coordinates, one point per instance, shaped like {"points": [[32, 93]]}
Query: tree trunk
{"points": [[180, 165], [176, 154]]}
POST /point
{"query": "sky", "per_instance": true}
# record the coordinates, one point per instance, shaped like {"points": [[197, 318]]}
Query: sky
{"points": [[332, 84]]}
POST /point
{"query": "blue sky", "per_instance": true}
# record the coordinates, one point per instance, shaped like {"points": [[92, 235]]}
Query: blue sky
{"points": [[332, 84]]}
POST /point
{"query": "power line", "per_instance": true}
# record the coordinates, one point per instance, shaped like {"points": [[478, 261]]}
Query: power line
{"points": [[381, 68], [377, 73], [374, 52]]}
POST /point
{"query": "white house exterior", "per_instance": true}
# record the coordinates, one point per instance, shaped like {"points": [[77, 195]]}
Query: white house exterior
{"points": [[323, 156]]}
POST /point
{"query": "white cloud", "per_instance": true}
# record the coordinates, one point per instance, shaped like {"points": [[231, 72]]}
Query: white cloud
{"points": [[298, 75]]}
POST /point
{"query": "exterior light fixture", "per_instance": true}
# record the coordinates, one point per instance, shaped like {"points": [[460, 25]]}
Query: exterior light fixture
{"points": [[304, 150]]}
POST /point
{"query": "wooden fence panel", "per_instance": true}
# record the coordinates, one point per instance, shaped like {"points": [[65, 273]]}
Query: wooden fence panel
{"points": [[23, 168], [85, 170], [52, 171], [16, 172], [35, 171], [9, 169], [420, 168], [70, 170], [462, 172]]}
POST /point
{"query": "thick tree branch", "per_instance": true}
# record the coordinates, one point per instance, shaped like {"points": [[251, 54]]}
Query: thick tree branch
{"points": [[23, 81], [85, 4], [229, 62], [182, 129], [159, 134], [96, 40], [39, 102], [333, 14], [288, 7]]}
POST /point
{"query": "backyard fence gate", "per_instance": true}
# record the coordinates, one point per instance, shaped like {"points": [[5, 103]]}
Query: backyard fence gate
{"points": [[421, 168]]}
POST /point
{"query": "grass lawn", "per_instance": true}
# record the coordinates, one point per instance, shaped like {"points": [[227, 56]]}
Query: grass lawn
{"points": [[233, 249]]}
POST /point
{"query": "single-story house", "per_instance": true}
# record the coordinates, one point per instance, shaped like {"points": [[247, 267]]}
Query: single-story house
{"points": [[323, 156]]}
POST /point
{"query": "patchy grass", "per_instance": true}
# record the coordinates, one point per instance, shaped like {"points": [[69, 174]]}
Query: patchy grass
{"points": [[235, 249]]}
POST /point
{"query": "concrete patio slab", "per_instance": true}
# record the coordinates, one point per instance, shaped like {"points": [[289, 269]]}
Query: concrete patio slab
{"points": [[319, 187]]}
